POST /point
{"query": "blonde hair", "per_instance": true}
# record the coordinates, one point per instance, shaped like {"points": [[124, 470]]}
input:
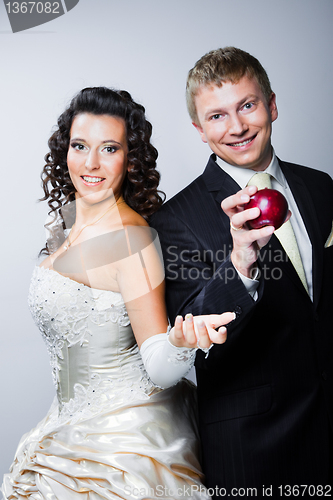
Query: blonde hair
{"points": [[228, 64]]}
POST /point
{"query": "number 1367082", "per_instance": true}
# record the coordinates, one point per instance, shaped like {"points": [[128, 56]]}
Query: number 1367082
{"points": [[33, 7]]}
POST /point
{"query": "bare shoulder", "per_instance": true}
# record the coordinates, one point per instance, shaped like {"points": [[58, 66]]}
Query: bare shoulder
{"points": [[137, 233], [141, 272], [47, 262], [130, 217], [49, 259]]}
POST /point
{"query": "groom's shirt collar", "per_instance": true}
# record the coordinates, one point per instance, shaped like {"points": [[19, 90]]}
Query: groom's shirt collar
{"points": [[243, 175]]}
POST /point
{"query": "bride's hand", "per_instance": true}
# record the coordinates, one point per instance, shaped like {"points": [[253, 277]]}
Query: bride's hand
{"points": [[200, 330]]}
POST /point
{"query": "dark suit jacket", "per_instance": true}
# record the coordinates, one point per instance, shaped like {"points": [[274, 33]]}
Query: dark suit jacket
{"points": [[266, 395]]}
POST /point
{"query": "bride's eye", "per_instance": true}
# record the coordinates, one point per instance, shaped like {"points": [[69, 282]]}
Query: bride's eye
{"points": [[110, 149], [78, 146]]}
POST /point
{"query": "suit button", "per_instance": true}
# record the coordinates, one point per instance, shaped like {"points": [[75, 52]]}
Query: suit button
{"points": [[238, 310], [324, 375]]}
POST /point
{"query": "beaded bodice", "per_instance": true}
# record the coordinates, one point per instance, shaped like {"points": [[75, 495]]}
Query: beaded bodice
{"points": [[93, 352]]}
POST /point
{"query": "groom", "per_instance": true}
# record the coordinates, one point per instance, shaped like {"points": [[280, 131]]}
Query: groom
{"points": [[266, 395]]}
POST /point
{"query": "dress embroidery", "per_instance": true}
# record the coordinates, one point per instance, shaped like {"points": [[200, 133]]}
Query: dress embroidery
{"points": [[62, 309], [97, 396]]}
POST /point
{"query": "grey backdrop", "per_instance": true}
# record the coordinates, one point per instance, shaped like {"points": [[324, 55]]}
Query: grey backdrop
{"points": [[146, 47]]}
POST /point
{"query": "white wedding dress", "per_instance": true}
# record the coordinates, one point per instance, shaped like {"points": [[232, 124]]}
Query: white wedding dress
{"points": [[110, 433]]}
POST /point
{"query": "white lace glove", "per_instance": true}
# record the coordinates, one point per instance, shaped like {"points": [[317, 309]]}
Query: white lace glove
{"points": [[165, 363]]}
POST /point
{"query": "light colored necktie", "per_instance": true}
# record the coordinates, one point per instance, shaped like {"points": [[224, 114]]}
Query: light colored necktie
{"points": [[285, 233]]}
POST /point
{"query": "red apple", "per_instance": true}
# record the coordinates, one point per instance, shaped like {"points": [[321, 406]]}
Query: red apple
{"points": [[273, 208]]}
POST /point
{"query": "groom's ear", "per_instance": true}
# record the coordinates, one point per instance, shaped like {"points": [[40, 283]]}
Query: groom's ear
{"points": [[201, 132]]}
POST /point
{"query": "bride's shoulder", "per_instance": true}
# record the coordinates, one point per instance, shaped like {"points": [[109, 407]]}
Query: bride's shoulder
{"points": [[49, 259], [131, 218], [47, 262], [135, 233]]}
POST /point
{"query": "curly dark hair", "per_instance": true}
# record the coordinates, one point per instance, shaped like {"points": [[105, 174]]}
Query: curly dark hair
{"points": [[139, 189]]}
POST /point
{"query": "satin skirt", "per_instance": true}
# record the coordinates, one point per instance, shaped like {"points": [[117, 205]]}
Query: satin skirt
{"points": [[134, 450]]}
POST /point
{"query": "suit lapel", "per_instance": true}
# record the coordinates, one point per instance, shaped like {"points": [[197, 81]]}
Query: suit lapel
{"points": [[218, 181], [220, 185], [307, 210]]}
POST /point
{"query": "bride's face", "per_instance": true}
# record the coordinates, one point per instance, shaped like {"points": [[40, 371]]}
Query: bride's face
{"points": [[97, 156]]}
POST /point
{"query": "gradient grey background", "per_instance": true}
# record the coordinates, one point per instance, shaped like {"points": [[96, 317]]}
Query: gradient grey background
{"points": [[146, 47]]}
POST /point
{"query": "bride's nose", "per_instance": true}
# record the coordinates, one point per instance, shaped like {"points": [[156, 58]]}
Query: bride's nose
{"points": [[92, 161]]}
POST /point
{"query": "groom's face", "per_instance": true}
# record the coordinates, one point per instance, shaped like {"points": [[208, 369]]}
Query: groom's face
{"points": [[236, 122]]}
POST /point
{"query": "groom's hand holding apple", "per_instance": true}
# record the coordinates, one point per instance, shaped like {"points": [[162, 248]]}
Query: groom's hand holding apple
{"points": [[247, 241]]}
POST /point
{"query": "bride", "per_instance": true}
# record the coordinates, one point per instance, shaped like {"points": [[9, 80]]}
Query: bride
{"points": [[123, 423]]}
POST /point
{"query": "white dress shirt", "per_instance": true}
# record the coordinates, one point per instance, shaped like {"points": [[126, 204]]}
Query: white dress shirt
{"points": [[279, 182]]}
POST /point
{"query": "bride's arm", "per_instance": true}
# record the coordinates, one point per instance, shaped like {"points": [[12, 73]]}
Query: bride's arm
{"points": [[141, 281]]}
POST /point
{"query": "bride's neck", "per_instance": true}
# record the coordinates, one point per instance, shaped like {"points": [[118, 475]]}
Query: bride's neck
{"points": [[87, 214]]}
